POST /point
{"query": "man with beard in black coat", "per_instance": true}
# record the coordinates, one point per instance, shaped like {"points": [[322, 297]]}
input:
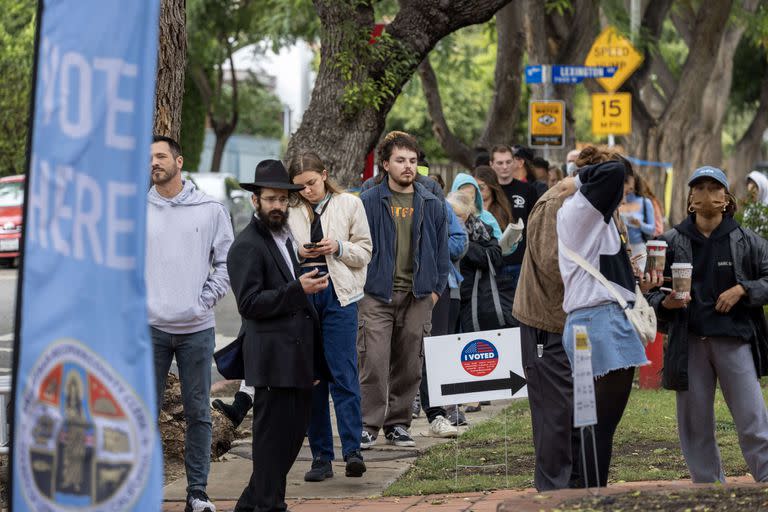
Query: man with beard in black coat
{"points": [[282, 346]]}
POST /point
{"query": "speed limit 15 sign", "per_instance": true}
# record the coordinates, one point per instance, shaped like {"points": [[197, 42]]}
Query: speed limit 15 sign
{"points": [[612, 114]]}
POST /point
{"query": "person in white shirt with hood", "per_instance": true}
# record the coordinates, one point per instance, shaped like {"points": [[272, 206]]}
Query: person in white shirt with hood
{"points": [[188, 238]]}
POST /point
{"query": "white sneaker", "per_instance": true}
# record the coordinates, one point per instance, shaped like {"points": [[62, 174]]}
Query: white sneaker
{"points": [[441, 427], [198, 501]]}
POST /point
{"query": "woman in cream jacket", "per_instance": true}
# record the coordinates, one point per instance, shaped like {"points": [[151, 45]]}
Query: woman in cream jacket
{"points": [[332, 234]]}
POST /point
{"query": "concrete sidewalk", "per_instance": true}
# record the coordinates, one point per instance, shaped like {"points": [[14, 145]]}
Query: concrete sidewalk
{"points": [[527, 500], [385, 464]]}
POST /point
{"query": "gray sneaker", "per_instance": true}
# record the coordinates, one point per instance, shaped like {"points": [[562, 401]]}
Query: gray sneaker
{"points": [[456, 416]]}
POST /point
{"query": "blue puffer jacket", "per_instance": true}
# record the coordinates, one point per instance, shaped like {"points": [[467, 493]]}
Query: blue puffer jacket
{"points": [[431, 261]]}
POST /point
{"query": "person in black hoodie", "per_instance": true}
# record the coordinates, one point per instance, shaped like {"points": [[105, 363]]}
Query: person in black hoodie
{"points": [[720, 333]]}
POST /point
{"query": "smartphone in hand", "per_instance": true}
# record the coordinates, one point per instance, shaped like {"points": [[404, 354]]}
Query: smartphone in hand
{"points": [[311, 245]]}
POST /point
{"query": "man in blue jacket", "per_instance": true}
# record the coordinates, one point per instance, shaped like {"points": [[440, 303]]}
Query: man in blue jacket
{"points": [[407, 274]]}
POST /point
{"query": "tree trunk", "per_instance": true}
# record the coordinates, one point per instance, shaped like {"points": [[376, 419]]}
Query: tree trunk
{"points": [[749, 149], [357, 83], [218, 150], [504, 111], [171, 63]]}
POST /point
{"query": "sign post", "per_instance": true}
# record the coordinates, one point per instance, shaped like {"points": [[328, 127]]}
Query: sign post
{"points": [[612, 49], [85, 418]]}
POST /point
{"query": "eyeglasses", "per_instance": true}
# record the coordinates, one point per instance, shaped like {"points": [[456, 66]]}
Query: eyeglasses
{"points": [[283, 200]]}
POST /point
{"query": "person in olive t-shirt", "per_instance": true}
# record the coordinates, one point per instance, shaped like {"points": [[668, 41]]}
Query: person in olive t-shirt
{"points": [[407, 274], [402, 213]]}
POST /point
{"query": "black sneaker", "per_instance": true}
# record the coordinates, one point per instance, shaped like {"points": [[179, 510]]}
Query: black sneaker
{"points": [[355, 465], [399, 436], [198, 501], [367, 440], [321, 469]]}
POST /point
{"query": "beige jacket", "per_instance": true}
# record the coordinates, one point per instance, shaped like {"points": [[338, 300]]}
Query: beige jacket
{"points": [[344, 220], [540, 290]]}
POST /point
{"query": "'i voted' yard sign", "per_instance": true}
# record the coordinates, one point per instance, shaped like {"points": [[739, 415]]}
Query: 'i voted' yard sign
{"points": [[474, 366]]}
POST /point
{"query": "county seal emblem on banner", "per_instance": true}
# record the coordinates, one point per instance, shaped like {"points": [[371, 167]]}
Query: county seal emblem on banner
{"points": [[84, 438]]}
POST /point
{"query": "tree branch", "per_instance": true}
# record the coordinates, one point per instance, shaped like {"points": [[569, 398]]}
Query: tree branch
{"points": [[454, 148], [235, 114]]}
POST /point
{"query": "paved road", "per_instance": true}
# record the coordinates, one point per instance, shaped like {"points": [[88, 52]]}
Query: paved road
{"points": [[227, 319]]}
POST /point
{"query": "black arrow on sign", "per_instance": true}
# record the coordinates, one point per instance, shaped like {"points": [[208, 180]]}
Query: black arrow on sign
{"points": [[514, 383]]}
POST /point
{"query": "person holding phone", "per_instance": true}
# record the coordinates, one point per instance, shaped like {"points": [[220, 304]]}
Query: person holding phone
{"points": [[335, 241], [283, 354]]}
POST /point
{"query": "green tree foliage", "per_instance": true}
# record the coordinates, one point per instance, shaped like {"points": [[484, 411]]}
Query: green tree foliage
{"points": [[17, 32], [260, 109], [464, 64]]}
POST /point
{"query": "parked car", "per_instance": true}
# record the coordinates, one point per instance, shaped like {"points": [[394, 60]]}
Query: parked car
{"points": [[11, 208], [225, 188]]}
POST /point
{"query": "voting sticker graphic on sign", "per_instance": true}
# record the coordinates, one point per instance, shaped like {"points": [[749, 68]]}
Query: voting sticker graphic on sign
{"points": [[85, 427], [474, 366]]}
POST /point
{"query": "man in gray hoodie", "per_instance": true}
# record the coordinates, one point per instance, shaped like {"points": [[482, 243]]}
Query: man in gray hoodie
{"points": [[188, 238]]}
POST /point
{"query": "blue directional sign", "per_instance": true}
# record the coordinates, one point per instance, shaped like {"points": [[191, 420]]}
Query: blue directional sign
{"points": [[557, 74], [534, 74], [576, 74]]}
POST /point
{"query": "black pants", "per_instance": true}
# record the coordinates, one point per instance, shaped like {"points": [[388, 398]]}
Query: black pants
{"points": [[550, 396], [280, 421], [441, 325], [611, 395]]}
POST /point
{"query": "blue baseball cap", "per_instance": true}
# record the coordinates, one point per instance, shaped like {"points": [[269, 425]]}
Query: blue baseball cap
{"points": [[712, 173]]}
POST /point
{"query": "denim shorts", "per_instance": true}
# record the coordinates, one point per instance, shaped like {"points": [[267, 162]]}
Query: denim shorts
{"points": [[615, 342]]}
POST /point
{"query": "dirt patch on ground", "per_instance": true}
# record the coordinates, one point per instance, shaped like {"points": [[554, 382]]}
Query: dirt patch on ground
{"points": [[725, 499]]}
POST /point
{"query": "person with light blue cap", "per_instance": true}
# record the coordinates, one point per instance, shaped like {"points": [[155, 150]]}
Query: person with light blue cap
{"points": [[719, 332]]}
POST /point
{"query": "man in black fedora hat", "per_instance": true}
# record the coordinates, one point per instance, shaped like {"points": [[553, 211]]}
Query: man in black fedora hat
{"points": [[282, 347]]}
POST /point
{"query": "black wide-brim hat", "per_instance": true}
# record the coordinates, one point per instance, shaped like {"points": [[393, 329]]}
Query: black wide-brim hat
{"points": [[271, 174]]}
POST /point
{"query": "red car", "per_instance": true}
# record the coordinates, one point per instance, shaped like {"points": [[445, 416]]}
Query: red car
{"points": [[11, 205]]}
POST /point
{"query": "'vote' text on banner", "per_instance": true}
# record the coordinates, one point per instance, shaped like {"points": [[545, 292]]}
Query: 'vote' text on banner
{"points": [[85, 435]]}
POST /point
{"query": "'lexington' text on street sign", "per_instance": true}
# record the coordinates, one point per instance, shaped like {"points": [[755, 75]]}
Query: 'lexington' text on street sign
{"points": [[474, 366], [557, 74]]}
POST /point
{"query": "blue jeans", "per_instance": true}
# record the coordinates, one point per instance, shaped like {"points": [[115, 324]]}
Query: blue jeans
{"points": [[339, 326], [194, 355]]}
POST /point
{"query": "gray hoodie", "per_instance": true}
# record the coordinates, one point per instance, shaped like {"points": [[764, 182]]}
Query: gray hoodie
{"points": [[188, 238]]}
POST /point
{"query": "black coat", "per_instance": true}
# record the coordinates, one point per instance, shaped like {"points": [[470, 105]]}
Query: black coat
{"points": [[480, 266], [283, 344], [750, 266]]}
